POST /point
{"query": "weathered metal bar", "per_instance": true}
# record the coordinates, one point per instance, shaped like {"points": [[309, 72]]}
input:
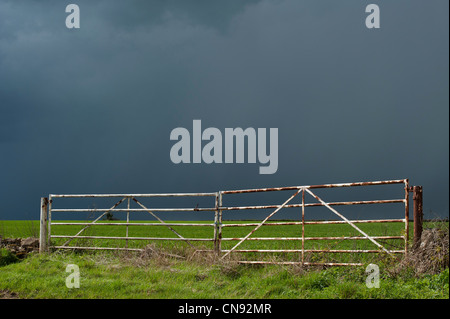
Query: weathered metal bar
{"points": [[220, 222], [114, 248], [356, 221], [406, 215], [266, 224], [130, 224], [216, 225], [131, 195], [333, 264], [353, 238], [418, 213], [49, 221], [93, 222], [267, 250], [128, 219], [366, 202], [93, 210], [163, 222], [362, 202], [303, 226], [312, 251], [133, 238], [396, 181], [318, 222], [43, 225], [98, 248], [261, 238], [313, 238], [349, 222], [297, 263], [257, 227], [257, 190]]}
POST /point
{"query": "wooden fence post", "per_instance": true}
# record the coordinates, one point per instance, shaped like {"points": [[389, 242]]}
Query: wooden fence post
{"points": [[43, 225], [418, 213]]}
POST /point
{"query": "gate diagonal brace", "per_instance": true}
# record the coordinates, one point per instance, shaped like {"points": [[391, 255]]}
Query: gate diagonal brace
{"points": [[349, 222], [162, 222], [260, 224], [106, 212]]}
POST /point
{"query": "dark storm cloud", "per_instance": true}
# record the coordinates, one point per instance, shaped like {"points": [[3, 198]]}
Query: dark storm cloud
{"points": [[91, 110]]}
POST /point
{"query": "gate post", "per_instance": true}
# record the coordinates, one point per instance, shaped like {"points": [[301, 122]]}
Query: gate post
{"points": [[43, 225], [418, 213], [407, 190], [218, 224]]}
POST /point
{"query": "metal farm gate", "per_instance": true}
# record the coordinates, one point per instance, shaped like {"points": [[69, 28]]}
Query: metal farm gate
{"points": [[219, 224]]}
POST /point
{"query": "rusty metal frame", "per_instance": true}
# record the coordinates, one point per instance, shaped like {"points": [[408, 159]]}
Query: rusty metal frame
{"points": [[303, 205], [128, 210], [218, 225], [347, 221], [262, 223]]}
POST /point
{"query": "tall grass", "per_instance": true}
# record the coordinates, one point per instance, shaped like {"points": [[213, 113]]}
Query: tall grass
{"points": [[154, 275]]}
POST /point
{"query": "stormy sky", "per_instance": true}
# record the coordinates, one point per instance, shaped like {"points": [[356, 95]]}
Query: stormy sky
{"points": [[90, 110]]}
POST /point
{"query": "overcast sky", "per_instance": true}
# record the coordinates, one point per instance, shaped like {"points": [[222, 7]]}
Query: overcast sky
{"points": [[90, 110]]}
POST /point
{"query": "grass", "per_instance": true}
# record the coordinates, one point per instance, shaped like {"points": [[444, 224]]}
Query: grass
{"points": [[130, 276], [158, 276], [19, 228]]}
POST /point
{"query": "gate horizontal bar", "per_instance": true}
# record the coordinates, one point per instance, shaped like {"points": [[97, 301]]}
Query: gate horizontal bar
{"points": [[256, 190], [97, 248], [132, 238], [315, 238], [362, 202], [298, 263], [130, 195], [93, 210], [362, 221], [319, 222], [312, 251], [130, 224], [354, 238]]}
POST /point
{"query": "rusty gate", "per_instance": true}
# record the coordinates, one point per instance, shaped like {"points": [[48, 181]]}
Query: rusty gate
{"points": [[219, 211]]}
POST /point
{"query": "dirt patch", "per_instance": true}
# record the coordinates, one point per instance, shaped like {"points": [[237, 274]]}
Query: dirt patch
{"points": [[20, 246], [6, 294]]}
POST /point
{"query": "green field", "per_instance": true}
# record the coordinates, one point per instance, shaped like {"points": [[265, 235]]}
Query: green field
{"points": [[29, 228], [106, 274]]}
